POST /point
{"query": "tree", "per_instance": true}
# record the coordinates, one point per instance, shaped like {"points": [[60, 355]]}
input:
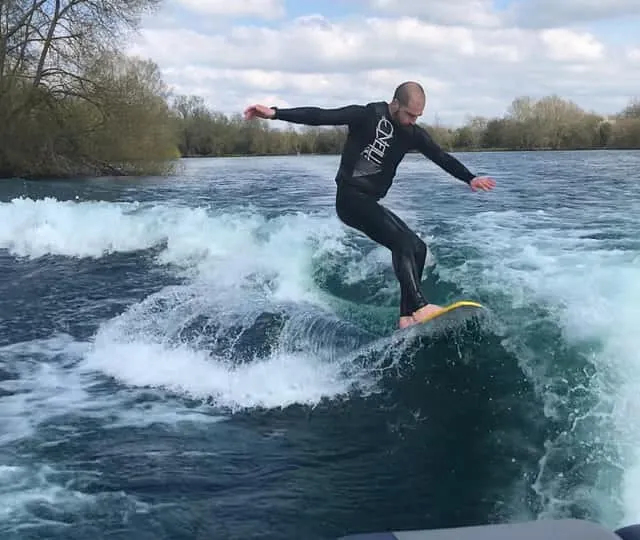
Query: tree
{"points": [[632, 110], [64, 84]]}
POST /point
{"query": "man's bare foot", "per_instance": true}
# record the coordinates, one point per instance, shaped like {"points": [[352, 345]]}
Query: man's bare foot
{"points": [[406, 321], [425, 312]]}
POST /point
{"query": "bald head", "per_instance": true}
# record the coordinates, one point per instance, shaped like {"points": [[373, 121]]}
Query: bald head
{"points": [[408, 103], [409, 91]]}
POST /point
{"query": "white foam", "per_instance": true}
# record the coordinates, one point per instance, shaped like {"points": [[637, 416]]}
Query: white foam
{"points": [[234, 250], [42, 389], [50, 383], [39, 495], [241, 252], [278, 381], [33, 228], [593, 292], [150, 346], [24, 486], [233, 263]]}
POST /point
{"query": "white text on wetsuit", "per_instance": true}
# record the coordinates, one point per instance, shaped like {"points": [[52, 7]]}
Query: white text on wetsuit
{"points": [[384, 133]]}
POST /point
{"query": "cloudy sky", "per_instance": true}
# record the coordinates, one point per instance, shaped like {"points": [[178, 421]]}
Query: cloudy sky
{"points": [[473, 56]]}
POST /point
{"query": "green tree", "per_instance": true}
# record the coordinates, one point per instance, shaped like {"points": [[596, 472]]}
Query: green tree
{"points": [[70, 102]]}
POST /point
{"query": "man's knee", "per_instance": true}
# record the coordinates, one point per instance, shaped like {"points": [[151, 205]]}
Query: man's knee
{"points": [[415, 245], [346, 211]]}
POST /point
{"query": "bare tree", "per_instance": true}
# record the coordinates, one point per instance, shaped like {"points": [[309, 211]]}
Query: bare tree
{"points": [[50, 40], [64, 84]]}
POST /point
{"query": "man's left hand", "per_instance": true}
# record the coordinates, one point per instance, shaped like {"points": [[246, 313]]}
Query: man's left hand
{"points": [[485, 183]]}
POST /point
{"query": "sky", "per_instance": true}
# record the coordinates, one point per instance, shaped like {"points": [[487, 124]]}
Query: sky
{"points": [[473, 57]]}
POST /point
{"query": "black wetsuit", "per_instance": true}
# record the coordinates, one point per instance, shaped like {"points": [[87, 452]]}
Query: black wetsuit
{"points": [[373, 150]]}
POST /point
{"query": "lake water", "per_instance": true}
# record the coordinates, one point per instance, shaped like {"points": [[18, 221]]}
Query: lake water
{"points": [[213, 355]]}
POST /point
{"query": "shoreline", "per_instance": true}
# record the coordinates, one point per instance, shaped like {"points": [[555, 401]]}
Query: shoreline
{"points": [[112, 171], [454, 151]]}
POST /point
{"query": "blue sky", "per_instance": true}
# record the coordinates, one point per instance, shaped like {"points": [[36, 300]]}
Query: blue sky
{"points": [[473, 56], [328, 8]]}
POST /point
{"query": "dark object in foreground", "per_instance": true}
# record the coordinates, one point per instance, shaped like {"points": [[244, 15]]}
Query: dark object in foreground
{"points": [[562, 529]]}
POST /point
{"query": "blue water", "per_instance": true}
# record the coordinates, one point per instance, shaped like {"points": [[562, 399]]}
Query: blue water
{"points": [[213, 355]]}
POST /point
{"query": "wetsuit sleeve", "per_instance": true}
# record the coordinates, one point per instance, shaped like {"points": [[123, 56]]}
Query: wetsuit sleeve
{"points": [[430, 149], [316, 116]]}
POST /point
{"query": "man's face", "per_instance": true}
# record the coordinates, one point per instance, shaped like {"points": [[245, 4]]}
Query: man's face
{"points": [[407, 115]]}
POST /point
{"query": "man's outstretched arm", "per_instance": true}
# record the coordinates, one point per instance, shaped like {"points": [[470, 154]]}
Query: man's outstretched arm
{"points": [[430, 149], [311, 116]]}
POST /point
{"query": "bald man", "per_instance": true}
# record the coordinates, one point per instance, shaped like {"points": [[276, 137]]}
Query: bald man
{"points": [[379, 135]]}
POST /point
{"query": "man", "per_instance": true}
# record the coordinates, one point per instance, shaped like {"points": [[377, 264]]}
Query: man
{"points": [[379, 135]]}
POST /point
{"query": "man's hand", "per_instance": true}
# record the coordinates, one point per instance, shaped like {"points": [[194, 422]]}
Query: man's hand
{"points": [[485, 183], [258, 111]]}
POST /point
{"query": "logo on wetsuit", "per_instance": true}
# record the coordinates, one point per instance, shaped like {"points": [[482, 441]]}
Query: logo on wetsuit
{"points": [[374, 152]]}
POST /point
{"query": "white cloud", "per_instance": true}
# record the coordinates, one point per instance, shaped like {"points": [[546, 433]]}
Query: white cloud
{"points": [[463, 12], [567, 45], [327, 89], [315, 44], [332, 61], [266, 9], [555, 13], [521, 13]]}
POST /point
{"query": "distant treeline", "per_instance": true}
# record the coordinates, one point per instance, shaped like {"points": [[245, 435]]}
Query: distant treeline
{"points": [[547, 123], [71, 103]]}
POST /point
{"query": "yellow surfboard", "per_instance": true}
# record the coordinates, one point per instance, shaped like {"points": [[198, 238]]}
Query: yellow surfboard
{"points": [[471, 306], [451, 314]]}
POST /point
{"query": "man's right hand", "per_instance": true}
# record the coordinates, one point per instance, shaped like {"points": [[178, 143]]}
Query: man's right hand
{"points": [[485, 183], [258, 111]]}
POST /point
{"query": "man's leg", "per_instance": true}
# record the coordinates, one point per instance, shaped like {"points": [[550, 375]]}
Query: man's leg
{"points": [[420, 250], [417, 262], [365, 214]]}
